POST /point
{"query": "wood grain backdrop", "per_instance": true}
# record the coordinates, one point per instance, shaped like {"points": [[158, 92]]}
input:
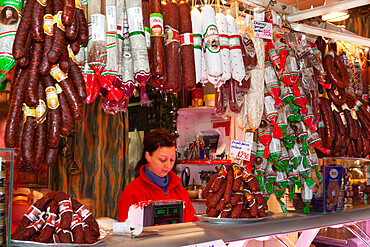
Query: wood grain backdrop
{"points": [[101, 153]]}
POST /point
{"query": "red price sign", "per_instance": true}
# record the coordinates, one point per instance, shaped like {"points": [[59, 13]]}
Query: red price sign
{"points": [[240, 150]]}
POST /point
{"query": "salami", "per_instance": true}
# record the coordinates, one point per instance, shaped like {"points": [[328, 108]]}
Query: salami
{"points": [[37, 21], [31, 89], [196, 24], [212, 45], [223, 30], [58, 35], [45, 65], [41, 127], [28, 135]]}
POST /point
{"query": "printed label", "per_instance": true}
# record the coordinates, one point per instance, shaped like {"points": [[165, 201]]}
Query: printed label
{"points": [[42, 2], [52, 97], [156, 25], [75, 221], [40, 111], [249, 46], [262, 30], [234, 42], [172, 35], [240, 150], [147, 37], [211, 39], [48, 24], [58, 88], [58, 21], [83, 212], [71, 54], [32, 213], [50, 219], [78, 4], [135, 21], [65, 206], [197, 38], [111, 18], [353, 114], [98, 27], [186, 39], [57, 73], [28, 111], [37, 225], [14, 3]]}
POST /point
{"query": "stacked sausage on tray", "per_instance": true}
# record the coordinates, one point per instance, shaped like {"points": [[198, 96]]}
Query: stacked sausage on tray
{"points": [[57, 218], [48, 89], [234, 192]]}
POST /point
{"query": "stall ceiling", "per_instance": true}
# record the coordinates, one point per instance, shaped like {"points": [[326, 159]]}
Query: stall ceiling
{"points": [[303, 4]]}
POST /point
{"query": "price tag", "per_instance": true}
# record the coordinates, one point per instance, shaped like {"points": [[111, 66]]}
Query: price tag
{"points": [[215, 243], [240, 150], [262, 30]]}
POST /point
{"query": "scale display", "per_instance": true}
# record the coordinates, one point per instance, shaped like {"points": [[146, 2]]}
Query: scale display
{"points": [[163, 213]]}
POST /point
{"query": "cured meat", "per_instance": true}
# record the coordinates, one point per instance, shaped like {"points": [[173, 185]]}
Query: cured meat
{"points": [[196, 22], [223, 30]]}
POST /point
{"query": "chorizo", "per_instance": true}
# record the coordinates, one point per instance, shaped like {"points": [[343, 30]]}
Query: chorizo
{"points": [[65, 112], [23, 31], [65, 209], [50, 218], [218, 195], [72, 97], [186, 46], [86, 216], [68, 12], [221, 175], [209, 184], [77, 229], [328, 125], [83, 30], [50, 156], [237, 178], [72, 30], [332, 64], [59, 35], [64, 235], [54, 119], [24, 61], [64, 63], [88, 236], [338, 120], [31, 89], [41, 127], [229, 185], [78, 80], [237, 210], [171, 22], [15, 110], [45, 65], [37, 26], [157, 42]]}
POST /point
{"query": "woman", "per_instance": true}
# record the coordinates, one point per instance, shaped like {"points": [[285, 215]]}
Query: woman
{"points": [[156, 181]]}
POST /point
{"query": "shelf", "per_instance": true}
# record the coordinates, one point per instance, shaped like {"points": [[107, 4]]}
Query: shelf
{"points": [[346, 162], [205, 162], [192, 110]]}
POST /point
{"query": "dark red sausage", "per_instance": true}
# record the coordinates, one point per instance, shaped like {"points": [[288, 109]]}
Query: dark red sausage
{"points": [[23, 30], [24, 61], [337, 95], [50, 156], [67, 119], [45, 65], [171, 23], [332, 64], [157, 45], [41, 127], [65, 209], [83, 30], [50, 220], [37, 27], [328, 125], [31, 89], [59, 38], [86, 216], [187, 50], [72, 97], [64, 63], [54, 117], [338, 122], [27, 139], [77, 229], [76, 77], [72, 30], [68, 12], [15, 110]]}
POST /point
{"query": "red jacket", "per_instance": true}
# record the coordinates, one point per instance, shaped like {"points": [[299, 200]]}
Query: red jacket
{"points": [[142, 189]]}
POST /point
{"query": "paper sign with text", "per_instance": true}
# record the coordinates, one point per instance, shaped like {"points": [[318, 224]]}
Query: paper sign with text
{"points": [[240, 150], [262, 30], [215, 243]]}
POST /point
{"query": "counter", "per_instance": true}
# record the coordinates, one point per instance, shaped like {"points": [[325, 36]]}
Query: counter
{"points": [[199, 232]]}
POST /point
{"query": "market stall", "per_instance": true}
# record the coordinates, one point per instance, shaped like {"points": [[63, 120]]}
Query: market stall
{"points": [[269, 106]]}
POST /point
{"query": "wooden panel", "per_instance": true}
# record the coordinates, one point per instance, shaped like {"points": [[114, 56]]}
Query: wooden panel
{"points": [[100, 150]]}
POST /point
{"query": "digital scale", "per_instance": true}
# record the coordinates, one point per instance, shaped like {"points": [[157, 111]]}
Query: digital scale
{"points": [[163, 213]]}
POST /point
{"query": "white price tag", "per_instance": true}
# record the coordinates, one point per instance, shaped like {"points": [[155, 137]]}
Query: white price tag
{"points": [[240, 150], [215, 243], [262, 30], [111, 18]]}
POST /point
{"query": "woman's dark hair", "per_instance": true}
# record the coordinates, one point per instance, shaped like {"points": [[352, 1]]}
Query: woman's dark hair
{"points": [[152, 141]]}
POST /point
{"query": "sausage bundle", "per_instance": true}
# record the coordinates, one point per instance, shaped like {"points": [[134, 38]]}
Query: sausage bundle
{"points": [[234, 192], [57, 218], [49, 88]]}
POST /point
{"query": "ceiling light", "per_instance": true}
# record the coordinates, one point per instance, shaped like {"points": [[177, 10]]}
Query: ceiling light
{"points": [[336, 16]]}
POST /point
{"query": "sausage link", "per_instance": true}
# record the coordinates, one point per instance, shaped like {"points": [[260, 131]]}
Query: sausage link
{"points": [[330, 135], [83, 30], [77, 79], [15, 110], [24, 61], [331, 64], [37, 26], [36, 55], [338, 122], [64, 62], [58, 36], [45, 65], [72, 30], [50, 156], [54, 120], [27, 140], [41, 127], [187, 50], [23, 30], [68, 12], [67, 119]]}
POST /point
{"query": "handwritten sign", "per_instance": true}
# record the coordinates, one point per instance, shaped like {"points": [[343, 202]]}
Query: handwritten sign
{"points": [[240, 150], [262, 30]]}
